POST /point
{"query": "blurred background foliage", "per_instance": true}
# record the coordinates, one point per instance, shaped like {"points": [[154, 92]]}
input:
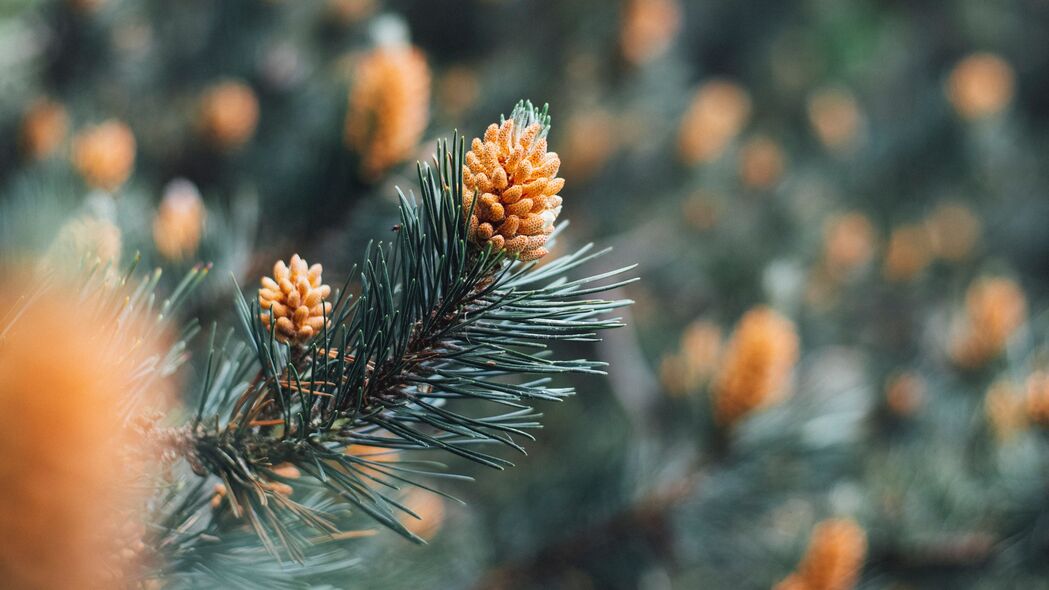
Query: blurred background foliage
{"points": [[838, 207]]}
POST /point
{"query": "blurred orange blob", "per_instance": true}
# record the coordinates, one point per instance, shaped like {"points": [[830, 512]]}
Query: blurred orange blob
{"points": [[907, 254], [348, 12], [848, 243], [688, 369], [179, 221], [954, 231], [761, 163], [904, 394], [981, 85], [72, 470], [374, 455], [104, 155], [44, 126], [647, 29], [590, 138], [756, 365], [458, 90], [429, 507], [1036, 401], [1006, 409], [836, 118], [834, 558], [229, 112], [389, 107], [719, 110], [702, 210], [994, 309]]}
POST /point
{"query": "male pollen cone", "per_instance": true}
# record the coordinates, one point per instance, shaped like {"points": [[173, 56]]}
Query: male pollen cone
{"points": [[510, 189]]}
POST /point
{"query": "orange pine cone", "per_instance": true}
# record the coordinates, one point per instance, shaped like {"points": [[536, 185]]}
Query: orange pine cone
{"points": [[756, 365], [833, 560], [389, 107], [294, 300], [995, 308], [229, 112], [516, 179], [75, 479], [105, 154]]}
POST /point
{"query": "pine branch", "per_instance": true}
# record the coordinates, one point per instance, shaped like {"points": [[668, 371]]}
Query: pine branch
{"points": [[439, 318]]}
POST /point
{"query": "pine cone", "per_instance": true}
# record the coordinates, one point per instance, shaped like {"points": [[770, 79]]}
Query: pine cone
{"points": [[835, 555], [295, 300], [756, 365], [389, 108], [516, 179], [75, 479]]}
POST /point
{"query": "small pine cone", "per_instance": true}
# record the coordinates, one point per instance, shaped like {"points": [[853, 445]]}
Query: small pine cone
{"points": [[835, 556], [295, 300], [179, 221], [510, 182], [104, 155], [389, 107], [44, 126], [756, 365], [229, 112]]}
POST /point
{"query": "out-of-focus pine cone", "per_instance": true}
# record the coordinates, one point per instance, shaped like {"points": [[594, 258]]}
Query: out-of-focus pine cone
{"points": [[756, 366], [229, 112], [834, 558], [44, 126], [995, 308], [75, 477], [389, 107], [835, 555], [179, 221], [105, 154]]}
